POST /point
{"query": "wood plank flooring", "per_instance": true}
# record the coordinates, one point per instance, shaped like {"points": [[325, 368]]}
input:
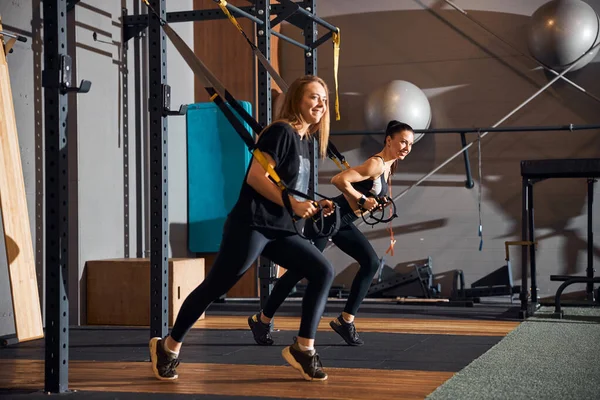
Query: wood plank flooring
{"points": [[389, 325], [227, 379]]}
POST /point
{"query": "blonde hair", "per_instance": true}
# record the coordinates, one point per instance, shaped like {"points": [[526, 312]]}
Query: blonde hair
{"points": [[290, 110]]}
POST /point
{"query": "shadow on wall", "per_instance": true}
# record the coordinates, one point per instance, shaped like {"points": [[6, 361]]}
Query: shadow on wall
{"points": [[178, 240], [472, 80]]}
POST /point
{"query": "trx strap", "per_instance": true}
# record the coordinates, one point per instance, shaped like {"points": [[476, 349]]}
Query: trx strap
{"points": [[261, 57], [332, 151], [336, 39], [390, 249], [337, 157], [217, 92], [383, 202], [218, 95]]}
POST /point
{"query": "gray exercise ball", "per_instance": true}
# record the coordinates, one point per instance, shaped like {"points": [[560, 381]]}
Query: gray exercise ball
{"points": [[399, 100], [561, 31]]}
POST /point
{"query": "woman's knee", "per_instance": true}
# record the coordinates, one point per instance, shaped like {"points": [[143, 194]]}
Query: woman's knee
{"points": [[327, 273], [371, 265]]}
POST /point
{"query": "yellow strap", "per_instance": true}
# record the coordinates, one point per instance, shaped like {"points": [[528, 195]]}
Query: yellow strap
{"points": [[347, 165], [223, 5], [336, 57], [337, 163], [268, 167], [9, 45]]}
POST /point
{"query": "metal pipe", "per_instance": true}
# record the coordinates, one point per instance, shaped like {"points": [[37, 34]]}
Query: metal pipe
{"points": [[531, 231], [563, 286], [313, 17], [20, 38], [191, 15], [290, 40], [243, 13], [521, 52], [524, 254], [590, 239], [569, 127], [507, 116], [469, 182]]}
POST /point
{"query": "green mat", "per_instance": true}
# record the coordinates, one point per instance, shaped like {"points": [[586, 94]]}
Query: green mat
{"points": [[543, 358]]}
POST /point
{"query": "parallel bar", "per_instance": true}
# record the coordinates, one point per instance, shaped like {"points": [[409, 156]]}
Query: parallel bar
{"points": [[469, 182], [310, 68], [290, 40], [20, 38], [56, 109], [159, 217], [524, 256], [569, 127], [531, 226], [125, 116], [590, 239], [266, 268], [245, 14], [198, 15], [140, 154]]}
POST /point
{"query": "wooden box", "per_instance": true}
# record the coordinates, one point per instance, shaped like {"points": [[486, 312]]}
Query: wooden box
{"points": [[118, 290]]}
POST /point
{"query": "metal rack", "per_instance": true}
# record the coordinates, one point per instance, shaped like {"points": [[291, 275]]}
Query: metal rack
{"points": [[57, 83]]}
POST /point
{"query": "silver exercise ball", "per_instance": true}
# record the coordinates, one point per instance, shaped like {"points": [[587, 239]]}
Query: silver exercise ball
{"points": [[399, 100], [561, 31]]}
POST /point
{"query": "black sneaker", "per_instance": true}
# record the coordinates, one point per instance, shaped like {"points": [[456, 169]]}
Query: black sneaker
{"points": [[260, 330], [307, 362], [347, 331], [163, 363]]}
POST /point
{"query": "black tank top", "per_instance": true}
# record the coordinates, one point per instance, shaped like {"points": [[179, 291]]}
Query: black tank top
{"points": [[368, 187], [372, 187]]}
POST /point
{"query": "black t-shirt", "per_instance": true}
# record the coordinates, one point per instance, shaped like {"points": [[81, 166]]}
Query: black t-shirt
{"points": [[292, 164]]}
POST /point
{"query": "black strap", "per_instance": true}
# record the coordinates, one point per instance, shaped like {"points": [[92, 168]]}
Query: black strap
{"points": [[384, 202]]}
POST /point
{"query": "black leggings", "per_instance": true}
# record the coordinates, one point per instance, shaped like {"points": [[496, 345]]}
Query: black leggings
{"points": [[240, 247], [352, 242]]}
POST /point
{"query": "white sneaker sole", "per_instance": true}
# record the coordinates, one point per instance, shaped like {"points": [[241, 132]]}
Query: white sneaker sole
{"points": [[292, 361], [154, 360]]}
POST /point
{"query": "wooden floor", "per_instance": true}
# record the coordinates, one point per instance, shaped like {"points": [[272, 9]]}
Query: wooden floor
{"points": [[395, 325], [213, 372], [228, 379]]}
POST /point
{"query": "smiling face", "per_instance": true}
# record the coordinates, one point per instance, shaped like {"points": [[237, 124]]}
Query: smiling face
{"points": [[306, 108], [313, 104], [400, 144]]}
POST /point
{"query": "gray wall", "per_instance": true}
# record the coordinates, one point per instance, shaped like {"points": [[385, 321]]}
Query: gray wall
{"points": [[96, 176], [469, 77], [471, 80], [17, 16]]}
